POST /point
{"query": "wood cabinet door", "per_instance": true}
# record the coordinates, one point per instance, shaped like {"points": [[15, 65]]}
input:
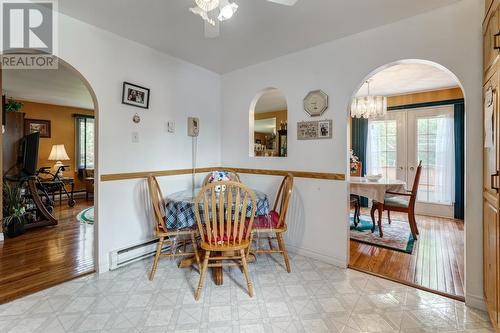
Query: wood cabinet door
{"points": [[490, 254], [491, 40], [487, 4], [491, 197], [491, 145]]}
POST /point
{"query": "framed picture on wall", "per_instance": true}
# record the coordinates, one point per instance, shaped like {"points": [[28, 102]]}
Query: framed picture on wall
{"points": [[324, 129], [37, 125], [135, 95]]}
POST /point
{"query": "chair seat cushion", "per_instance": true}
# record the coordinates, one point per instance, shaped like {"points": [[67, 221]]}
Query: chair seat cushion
{"points": [[396, 202], [267, 222], [223, 238]]}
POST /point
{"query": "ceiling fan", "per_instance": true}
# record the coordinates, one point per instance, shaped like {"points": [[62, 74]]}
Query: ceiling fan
{"points": [[215, 11]]}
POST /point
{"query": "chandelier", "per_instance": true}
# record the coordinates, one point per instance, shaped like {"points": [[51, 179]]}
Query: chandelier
{"points": [[368, 106]]}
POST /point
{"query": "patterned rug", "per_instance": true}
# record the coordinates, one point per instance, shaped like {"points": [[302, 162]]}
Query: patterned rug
{"points": [[86, 216], [397, 235]]}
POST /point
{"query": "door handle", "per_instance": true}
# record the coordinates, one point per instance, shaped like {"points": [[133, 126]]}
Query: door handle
{"points": [[401, 168], [492, 180], [412, 168]]}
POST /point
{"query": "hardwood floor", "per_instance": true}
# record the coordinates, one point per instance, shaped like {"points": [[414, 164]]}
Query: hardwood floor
{"points": [[47, 256], [437, 261]]}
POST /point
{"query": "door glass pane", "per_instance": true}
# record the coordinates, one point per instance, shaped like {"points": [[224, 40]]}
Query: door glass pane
{"points": [[382, 148], [435, 148]]}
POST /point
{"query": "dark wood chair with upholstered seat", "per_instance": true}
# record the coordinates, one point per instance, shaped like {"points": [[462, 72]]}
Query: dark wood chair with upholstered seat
{"points": [[404, 203], [355, 200]]}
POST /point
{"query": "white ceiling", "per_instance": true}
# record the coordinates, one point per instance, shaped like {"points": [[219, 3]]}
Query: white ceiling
{"points": [[259, 31], [409, 78], [271, 100], [59, 87]]}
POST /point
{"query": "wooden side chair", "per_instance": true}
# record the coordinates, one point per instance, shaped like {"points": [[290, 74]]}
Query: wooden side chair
{"points": [[234, 177], [355, 200], [88, 178], [276, 222], [394, 202], [166, 235], [225, 226]]}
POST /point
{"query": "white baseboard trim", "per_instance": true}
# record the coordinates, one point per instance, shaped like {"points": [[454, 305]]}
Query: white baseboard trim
{"points": [[316, 255], [475, 301]]}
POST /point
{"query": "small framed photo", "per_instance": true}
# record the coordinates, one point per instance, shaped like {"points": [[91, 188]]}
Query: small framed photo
{"points": [[135, 95], [37, 125], [325, 131]]}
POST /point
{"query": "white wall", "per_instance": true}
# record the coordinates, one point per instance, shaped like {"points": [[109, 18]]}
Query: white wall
{"points": [[178, 90], [450, 36]]}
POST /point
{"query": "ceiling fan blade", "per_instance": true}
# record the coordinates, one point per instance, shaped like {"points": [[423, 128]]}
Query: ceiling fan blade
{"points": [[212, 31], [284, 2]]}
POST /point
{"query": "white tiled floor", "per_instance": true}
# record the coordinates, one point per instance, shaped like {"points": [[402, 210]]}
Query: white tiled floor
{"points": [[315, 297]]}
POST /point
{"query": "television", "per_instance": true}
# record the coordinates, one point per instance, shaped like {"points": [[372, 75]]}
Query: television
{"points": [[28, 155]]}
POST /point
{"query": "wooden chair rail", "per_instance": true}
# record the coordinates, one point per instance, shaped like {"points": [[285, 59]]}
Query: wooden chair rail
{"points": [[268, 172]]}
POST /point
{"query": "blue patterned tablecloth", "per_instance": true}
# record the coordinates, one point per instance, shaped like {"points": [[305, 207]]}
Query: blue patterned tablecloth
{"points": [[180, 208]]}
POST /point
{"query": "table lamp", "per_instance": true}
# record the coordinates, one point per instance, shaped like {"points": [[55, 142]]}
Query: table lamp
{"points": [[58, 153]]}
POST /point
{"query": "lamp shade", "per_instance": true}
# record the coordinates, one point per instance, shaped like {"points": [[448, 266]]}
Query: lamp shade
{"points": [[58, 153]]}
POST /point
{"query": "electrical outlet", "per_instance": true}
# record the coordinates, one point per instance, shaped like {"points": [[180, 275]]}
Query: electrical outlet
{"points": [[135, 137]]}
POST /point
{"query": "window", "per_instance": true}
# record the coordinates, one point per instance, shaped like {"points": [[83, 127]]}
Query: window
{"points": [[85, 127]]}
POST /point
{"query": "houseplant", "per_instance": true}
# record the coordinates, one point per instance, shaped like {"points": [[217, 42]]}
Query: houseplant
{"points": [[13, 106], [13, 211], [354, 162]]}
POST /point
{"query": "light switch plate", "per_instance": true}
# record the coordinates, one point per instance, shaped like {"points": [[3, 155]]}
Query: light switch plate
{"points": [[170, 126], [135, 137]]}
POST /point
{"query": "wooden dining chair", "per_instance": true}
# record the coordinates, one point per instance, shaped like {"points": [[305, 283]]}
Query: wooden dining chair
{"points": [[355, 200], [275, 223], [233, 176], [225, 221], [166, 235], [394, 202]]}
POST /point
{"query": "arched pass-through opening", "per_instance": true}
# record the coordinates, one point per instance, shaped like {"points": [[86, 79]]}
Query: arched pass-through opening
{"points": [[423, 118], [64, 251], [268, 124]]}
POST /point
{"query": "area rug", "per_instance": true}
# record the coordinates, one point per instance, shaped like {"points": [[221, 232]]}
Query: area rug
{"points": [[86, 216], [397, 235]]}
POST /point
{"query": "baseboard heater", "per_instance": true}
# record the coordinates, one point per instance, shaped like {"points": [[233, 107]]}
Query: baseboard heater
{"points": [[134, 253]]}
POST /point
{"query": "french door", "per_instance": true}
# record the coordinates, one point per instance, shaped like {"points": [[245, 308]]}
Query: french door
{"points": [[400, 140]]}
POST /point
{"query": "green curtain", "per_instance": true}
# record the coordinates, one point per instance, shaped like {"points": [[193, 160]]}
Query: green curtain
{"points": [[359, 137], [459, 159]]}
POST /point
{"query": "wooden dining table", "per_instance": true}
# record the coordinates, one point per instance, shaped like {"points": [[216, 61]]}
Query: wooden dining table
{"points": [[180, 214], [376, 191]]}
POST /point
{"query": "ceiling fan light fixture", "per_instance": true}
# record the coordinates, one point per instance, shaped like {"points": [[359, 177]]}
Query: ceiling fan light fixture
{"points": [[227, 10]]}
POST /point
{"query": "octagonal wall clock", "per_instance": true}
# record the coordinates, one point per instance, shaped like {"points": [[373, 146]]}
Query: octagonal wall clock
{"points": [[316, 103]]}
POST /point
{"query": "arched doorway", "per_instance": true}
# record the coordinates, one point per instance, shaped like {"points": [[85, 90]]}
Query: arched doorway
{"points": [[424, 123], [56, 253]]}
